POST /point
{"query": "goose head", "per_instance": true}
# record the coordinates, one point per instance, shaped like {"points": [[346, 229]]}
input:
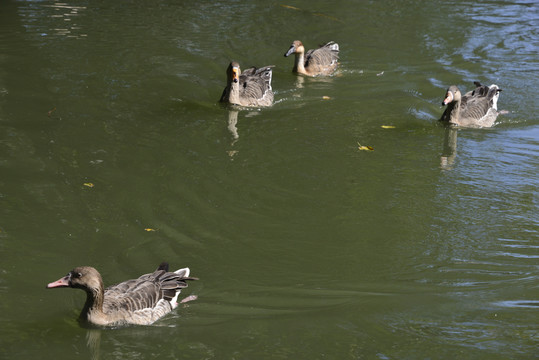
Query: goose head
{"points": [[233, 72], [295, 48], [494, 93], [84, 277], [452, 95]]}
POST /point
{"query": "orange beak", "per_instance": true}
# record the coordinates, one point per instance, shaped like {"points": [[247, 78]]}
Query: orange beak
{"points": [[235, 74]]}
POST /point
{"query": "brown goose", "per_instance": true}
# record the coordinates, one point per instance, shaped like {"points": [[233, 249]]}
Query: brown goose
{"points": [[321, 61], [250, 88], [139, 301], [476, 108]]}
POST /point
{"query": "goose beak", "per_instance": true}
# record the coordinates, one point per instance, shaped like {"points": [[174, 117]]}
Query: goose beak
{"points": [[290, 51], [448, 98], [235, 74], [63, 282]]}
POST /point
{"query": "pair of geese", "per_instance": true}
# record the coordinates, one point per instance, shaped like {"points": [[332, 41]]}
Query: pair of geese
{"points": [[476, 108], [144, 300]]}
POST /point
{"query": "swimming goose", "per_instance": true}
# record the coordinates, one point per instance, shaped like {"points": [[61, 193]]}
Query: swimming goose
{"points": [[250, 88], [476, 108], [321, 61], [139, 301]]}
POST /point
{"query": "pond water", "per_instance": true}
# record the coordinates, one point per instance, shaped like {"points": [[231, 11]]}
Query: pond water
{"points": [[115, 153]]}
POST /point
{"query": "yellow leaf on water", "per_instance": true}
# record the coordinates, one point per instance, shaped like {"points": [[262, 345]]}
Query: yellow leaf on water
{"points": [[388, 126], [367, 148], [149, 229], [326, 97], [290, 7], [90, 185]]}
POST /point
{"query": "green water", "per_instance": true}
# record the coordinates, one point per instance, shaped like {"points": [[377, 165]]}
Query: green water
{"points": [[305, 246]]}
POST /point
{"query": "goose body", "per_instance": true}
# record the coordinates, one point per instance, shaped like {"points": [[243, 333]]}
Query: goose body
{"points": [[476, 108], [321, 61], [250, 88], [139, 301]]}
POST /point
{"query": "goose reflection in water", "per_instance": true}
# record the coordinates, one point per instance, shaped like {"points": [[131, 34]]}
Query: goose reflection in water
{"points": [[449, 152], [233, 127], [93, 341]]}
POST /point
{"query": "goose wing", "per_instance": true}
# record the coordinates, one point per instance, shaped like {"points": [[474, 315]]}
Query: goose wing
{"points": [[255, 83], [144, 292], [327, 54], [475, 104]]}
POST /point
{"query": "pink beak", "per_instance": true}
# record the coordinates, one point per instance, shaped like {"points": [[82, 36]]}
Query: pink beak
{"points": [[448, 99], [63, 282]]}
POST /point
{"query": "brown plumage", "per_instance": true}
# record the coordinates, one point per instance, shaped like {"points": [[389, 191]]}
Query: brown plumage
{"points": [[476, 108], [321, 61], [250, 88], [139, 301]]}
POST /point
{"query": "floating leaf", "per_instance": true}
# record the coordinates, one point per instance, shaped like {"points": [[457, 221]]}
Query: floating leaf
{"points": [[90, 185], [51, 111], [326, 97], [380, 74], [290, 7], [388, 126], [367, 148], [149, 229]]}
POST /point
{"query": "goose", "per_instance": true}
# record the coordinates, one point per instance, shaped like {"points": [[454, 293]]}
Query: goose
{"points": [[476, 108], [321, 61], [250, 88], [139, 301]]}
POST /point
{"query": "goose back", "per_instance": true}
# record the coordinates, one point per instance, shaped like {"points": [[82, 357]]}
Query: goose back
{"points": [[323, 60], [144, 292]]}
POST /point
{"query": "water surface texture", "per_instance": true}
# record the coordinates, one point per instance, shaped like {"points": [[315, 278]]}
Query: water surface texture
{"points": [[115, 153]]}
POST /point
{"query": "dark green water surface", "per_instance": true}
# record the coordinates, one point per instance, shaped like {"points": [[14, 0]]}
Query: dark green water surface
{"points": [[305, 246]]}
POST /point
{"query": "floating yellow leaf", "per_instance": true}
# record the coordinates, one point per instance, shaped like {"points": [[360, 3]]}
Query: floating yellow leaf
{"points": [[90, 185], [326, 97], [362, 147], [149, 229], [388, 126], [290, 7]]}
